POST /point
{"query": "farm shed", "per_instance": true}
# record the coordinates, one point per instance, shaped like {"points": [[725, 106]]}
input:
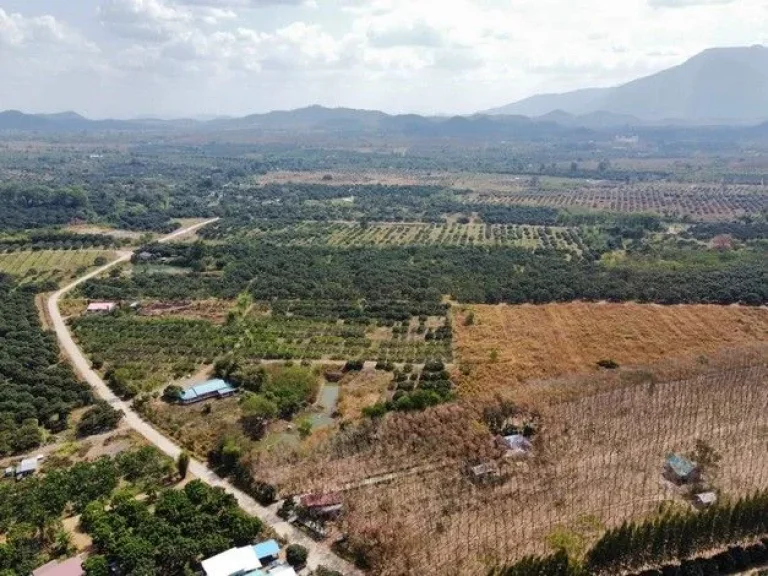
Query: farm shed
{"points": [[27, 467], [319, 504], [705, 499], [267, 552], [483, 471], [207, 390], [517, 445], [71, 567], [101, 307], [680, 470], [235, 561]]}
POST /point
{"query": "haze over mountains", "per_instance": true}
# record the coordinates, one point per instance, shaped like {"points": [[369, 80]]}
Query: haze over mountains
{"points": [[717, 86], [720, 86]]}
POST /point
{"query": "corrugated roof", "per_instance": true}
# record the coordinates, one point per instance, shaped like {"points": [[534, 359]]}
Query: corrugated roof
{"points": [[210, 387], [233, 561], [266, 549], [27, 465], [71, 567], [680, 465]]}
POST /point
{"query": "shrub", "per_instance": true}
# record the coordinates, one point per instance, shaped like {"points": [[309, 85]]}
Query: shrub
{"points": [[296, 555], [608, 364], [98, 419]]}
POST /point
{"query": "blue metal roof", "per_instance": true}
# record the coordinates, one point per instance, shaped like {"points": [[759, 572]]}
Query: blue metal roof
{"points": [[210, 387], [266, 549], [680, 466]]}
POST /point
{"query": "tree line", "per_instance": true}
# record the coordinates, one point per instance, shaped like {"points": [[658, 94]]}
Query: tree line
{"points": [[37, 390], [673, 537]]}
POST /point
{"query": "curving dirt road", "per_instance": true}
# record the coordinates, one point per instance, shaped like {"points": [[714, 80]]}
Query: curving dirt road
{"points": [[319, 552]]}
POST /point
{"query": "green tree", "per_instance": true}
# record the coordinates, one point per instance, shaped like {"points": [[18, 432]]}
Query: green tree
{"points": [[96, 565], [296, 555], [182, 464], [257, 412]]}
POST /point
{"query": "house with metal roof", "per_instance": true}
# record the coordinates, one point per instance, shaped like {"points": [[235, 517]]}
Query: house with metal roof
{"points": [[71, 567], [267, 552], [680, 470], [207, 390], [27, 467], [233, 562], [101, 307]]}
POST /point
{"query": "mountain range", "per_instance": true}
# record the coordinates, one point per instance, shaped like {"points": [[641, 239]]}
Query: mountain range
{"points": [[720, 86], [717, 86]]}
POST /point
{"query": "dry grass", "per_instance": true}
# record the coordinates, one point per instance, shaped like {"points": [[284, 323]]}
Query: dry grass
{"points": [[361, 389], [597, 462], [508, 345]]}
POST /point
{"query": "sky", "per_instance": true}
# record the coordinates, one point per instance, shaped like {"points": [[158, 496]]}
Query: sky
{"points": [[184, 58]]}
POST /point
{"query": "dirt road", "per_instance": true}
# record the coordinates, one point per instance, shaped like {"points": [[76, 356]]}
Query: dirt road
{"points": [[319, 552]]}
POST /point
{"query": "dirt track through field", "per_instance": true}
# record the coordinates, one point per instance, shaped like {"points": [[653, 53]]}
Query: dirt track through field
{"points": [[320, 552]]}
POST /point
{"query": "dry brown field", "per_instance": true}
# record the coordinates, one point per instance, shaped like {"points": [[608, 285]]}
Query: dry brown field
{"points": [[596, 463], [508, 345]]}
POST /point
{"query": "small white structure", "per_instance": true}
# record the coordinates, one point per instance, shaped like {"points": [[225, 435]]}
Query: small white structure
{"points": [[705, 499], [101, 307], [517, 445], [233, 562], [27, 467]]}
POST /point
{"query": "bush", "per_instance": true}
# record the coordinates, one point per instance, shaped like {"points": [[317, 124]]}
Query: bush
{"points": [[172, 393], [98, 419], [608, 364], [354, 366], [296, 555], [96, 566]]}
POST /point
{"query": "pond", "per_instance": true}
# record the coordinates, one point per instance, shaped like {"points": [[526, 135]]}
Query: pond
{"points": [[329, 398]]}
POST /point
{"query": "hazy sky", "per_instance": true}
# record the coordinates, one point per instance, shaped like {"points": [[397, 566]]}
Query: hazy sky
{"points": [[125, 58]]}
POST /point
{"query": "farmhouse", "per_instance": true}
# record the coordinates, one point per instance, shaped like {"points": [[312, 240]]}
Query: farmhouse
{"points": [[206, 391], [71, 567], [320, 504], [267, 552], [101, 307], [233, 562], [248, 561], [680, 470]]}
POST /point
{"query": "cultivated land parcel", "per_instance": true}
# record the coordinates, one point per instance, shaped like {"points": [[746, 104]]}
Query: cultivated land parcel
{"points": [[392, 313]]}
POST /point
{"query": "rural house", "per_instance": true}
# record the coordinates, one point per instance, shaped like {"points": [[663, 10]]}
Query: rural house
{"points": [[101, 307], [680, 470], [233, 562], [71, 567], [206, 391], [324, 505], [267, 552]]}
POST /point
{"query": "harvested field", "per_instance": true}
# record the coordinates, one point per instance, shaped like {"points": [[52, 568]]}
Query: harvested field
{"points": [[507, 345], [596, 463]]}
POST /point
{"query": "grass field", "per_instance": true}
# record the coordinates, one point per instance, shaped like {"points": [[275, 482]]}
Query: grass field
{"points": [[56, 265], [507, 345]]}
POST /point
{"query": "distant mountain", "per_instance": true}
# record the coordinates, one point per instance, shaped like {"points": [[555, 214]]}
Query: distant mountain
{"points": [[718, 86]]}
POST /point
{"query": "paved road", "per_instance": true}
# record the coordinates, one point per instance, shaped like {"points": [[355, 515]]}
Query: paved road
{"points": [[320, 552]]}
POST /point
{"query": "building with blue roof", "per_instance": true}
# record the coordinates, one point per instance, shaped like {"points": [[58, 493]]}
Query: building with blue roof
{"points": [[212, 389], [680, 470], [267, 551]]}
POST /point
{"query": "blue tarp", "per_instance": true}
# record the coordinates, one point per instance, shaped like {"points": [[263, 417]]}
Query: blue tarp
{"points": [[266, 549]]}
